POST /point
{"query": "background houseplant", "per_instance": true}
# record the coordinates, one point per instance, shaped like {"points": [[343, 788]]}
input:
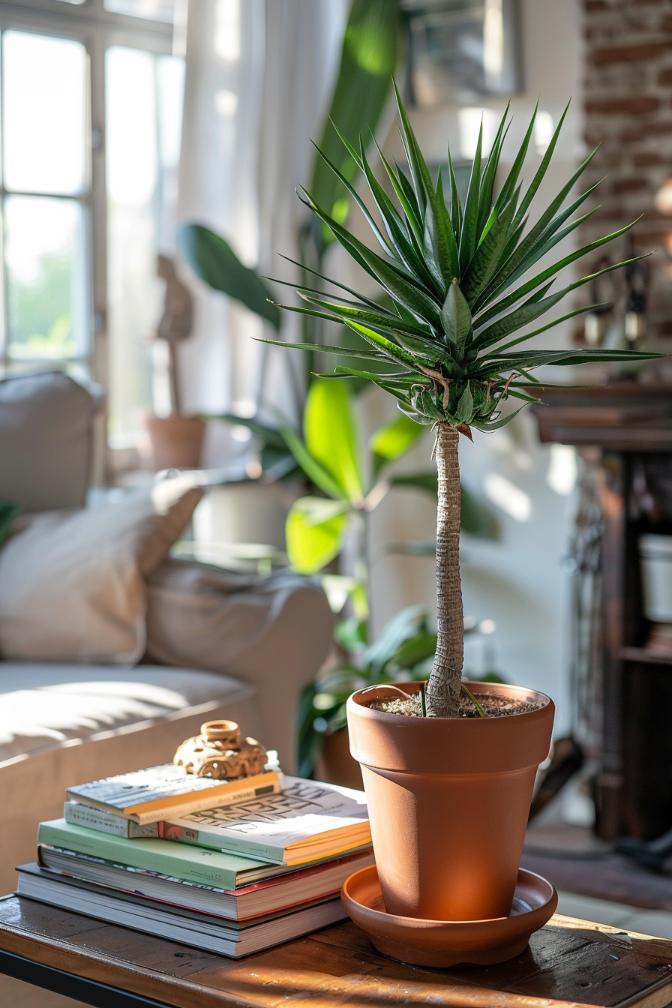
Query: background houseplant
{"points": [[463, 284], [358, 99], [327, 533]]}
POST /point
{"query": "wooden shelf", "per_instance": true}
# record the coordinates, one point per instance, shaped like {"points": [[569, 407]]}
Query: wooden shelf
{"points": [[645, 656]]}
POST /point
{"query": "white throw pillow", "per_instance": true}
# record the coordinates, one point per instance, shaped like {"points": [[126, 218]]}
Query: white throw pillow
{"points": [[72, 583]]}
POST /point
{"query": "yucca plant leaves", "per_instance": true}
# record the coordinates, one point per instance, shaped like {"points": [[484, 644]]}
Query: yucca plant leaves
{"points": [[487, 258], [469, 229], [465, 406], [456, 317], [439, 237], [367, 62], [422, 183], [488, 180], [542, 169], [463, 279], [400, 285], [550, 271], [511, 181]]}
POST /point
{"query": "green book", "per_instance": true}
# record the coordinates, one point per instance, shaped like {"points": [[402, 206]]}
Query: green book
{"points": [[191, 864]]}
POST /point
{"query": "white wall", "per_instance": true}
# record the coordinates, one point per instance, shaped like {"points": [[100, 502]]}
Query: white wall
{"points": [[518, 581]]}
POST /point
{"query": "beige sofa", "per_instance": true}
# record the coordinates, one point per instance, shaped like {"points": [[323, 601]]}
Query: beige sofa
{"points": [[255, 643]]}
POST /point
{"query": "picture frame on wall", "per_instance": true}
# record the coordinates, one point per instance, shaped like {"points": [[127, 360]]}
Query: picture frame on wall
{"points": [[462, 50]]}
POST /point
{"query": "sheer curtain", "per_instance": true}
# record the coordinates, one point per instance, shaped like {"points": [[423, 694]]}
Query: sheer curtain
{"points": [[258, 78]]}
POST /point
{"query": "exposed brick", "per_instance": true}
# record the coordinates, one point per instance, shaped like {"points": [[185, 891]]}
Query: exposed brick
{"points": [[628, 53], [659, 128], [627, 185], [650, 159], [625, 105], [627, 87]]}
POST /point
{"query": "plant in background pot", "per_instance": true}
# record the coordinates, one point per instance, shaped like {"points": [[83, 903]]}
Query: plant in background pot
{"points": [[173, 440], [449, 792]]}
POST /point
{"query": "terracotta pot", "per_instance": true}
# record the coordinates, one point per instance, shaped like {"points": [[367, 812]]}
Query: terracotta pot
{"points": [[448, 802], [173, 442]]}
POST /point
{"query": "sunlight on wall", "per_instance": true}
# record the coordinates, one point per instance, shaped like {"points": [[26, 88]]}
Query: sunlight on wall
{"points": [[543, 131], [562, 469], [226, 103], [507, 496], [493, 39], [227, 30], [469, 122]]}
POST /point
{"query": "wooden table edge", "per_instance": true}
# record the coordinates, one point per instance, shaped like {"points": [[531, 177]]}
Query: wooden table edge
{"points": [[24, 943]]}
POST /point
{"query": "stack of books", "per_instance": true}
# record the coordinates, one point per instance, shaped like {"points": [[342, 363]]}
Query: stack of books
{"points": [[226, 867]]}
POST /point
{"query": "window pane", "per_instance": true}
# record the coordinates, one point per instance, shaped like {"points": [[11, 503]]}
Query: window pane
{"points": [[44, 112], [153, 10], [46, 294]]}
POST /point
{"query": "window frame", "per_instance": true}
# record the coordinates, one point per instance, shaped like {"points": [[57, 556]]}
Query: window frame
{"points": [[97, 30]]}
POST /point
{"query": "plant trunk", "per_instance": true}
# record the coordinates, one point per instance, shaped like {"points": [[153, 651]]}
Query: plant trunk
{"points": [[443, 689]]}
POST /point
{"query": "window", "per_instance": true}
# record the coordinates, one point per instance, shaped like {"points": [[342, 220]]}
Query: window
{"points": [[90, 120]]}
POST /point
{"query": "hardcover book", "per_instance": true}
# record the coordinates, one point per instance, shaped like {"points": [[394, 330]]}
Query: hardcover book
{"points": [[193, 864], [285, 892], [223, 937]]}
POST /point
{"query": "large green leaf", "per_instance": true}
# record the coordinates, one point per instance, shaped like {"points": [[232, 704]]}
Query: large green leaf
{"points": [[368, 61], [393, 440], [313, 469], [402, 626], [217, 265], [331, 437], [314, 530]]}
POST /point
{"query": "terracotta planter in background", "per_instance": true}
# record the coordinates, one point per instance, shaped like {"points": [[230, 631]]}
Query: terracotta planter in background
{"points": [[335, 764], [173, 442], [448, 801]]}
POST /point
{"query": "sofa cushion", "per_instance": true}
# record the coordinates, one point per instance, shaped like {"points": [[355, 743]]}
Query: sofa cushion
{"points": [[73, 587], [46, 440], [273, 632], [45, 706]]}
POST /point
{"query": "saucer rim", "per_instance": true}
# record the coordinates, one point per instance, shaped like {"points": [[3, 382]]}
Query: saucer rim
{"points": [[417, 922]]}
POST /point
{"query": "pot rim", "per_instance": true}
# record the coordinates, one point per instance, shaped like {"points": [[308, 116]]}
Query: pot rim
{"points": [[356, 703]]}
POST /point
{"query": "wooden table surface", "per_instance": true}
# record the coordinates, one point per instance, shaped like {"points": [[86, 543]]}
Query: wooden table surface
{"points": [[569, 962]]}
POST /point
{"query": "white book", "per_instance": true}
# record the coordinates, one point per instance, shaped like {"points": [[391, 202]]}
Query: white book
{"points": [[306, 821], [107, 822]]}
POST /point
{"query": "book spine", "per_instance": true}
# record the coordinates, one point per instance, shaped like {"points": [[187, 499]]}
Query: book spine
{"points": [[206, 800], [134, 855], [107, 822]]}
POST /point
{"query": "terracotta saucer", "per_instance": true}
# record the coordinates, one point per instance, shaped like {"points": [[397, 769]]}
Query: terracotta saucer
{"points": [[449, 943]]}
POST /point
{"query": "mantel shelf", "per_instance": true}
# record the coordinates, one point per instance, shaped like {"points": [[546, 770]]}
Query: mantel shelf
{"points": [[646, 656]]}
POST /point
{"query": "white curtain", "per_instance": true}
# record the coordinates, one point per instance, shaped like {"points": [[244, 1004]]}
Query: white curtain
{"points": [[258, 78]]}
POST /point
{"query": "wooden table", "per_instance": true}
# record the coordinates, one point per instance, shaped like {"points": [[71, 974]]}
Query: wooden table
{"points": [[570, 963]]}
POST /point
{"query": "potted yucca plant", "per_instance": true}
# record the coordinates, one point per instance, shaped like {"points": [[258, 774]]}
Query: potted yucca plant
{"points": [[449, 792]]}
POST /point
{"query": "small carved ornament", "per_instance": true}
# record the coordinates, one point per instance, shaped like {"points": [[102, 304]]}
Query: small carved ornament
{"points": [[220, 753]]}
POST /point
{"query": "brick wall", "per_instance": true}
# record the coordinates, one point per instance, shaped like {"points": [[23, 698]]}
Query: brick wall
{"points": [[627, 96]]}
